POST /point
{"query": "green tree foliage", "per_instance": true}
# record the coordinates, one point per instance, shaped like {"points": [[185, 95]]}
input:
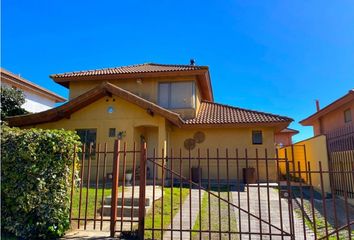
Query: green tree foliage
{"points": [[11, 102], [36, 173]]}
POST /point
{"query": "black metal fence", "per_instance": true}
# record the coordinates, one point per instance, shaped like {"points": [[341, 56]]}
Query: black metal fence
{"points": [[239, 194]]}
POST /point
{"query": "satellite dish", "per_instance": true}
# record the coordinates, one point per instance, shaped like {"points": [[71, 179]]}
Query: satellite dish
{"points": [[189, 144], [199, 137]]}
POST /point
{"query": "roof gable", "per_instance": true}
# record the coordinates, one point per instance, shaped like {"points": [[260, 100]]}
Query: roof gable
{"points": [[329, 108], [87, 98]]}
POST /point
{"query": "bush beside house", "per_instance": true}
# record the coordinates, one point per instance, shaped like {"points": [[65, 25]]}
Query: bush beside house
{"points": [[35, 183]]}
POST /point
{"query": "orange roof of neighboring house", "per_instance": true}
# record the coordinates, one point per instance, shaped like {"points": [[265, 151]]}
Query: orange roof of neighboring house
{"points": [[289, 130], [210, 114], [22, 83], [141, 71], [333, 106], [215, 113]]}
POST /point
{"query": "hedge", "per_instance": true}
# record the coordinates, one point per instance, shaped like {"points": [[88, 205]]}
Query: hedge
{"points": [[35, 181]]}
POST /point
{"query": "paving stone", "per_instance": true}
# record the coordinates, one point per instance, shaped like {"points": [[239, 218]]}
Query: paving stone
{"points": [[276, 216], [185, 217]]}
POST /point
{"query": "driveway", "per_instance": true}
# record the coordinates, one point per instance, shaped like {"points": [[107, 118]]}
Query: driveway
{"points": [[240, 199]]}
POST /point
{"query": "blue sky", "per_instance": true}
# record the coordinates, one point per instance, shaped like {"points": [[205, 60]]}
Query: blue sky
{"points": [[273, 56]]}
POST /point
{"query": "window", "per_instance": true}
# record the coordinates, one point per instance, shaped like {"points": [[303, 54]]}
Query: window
{"points": [[112, 132], [347, 116], [257, 137], [87, 137], [177, 95]]}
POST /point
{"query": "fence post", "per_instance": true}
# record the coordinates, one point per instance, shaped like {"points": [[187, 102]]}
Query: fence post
{"points": [[293, 159], [115, 187], [290, 205], [142, 184]]}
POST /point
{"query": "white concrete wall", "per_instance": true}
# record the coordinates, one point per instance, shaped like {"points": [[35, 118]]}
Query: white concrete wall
{"points": [[33, 102]]}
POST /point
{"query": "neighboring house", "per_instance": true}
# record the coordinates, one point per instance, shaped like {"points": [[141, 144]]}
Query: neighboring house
{"points": [[37, 98], [168, 106], [284, 137], [336, 115], [334, 126]]}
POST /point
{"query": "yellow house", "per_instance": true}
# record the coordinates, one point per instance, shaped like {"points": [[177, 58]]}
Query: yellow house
{"points": [[171, 107]]}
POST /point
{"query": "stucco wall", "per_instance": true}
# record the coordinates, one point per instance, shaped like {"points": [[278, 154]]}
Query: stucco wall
{"points": [[283, 138], [316, 151], [334, 119], [34, 102], [127, 117], [146, 88], [161, 134], [222, 139]]}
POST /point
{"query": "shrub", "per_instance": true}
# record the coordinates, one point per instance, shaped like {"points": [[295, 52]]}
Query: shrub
{"points": [[11, 102], [35, 183]]}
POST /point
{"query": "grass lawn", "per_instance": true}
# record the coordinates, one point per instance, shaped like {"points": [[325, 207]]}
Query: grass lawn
{"points": [[321, 224], [166, 210], [90, 202], [214, 218]]}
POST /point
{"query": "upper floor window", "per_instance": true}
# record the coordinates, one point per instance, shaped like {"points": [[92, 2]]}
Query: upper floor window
{"points": [[347, 116], [257, 137], [175, 95]]}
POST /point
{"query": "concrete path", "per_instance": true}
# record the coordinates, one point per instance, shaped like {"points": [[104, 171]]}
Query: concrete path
{"points": [[275, 214], [185, 217], [91, 233]]}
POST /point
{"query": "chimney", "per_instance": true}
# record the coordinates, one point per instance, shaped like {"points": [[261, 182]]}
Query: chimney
{"points": [[192, 62], [317, 105]]}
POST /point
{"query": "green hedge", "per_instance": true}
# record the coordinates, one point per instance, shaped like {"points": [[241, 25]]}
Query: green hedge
{"points": [[35, 181]]}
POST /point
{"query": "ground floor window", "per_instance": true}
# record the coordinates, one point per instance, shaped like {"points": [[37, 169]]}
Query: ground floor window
{"points": [[88, 137], [257, 137]]}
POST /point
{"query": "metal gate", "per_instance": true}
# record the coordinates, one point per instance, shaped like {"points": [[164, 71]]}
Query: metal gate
{"points": [[210, 194]]}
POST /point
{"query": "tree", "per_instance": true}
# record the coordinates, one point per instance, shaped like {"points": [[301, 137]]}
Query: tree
{"points": [[11, 102]]}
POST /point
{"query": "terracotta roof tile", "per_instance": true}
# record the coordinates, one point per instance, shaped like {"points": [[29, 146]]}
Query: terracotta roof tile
{"points": [[289, 130], [215, 113], [139, 68]]}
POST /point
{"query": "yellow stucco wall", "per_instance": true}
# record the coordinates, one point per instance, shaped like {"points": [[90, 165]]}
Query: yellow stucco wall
{"points": [[222, 139], [127, 117], [146, 88], [159, 133], [316, 151]]}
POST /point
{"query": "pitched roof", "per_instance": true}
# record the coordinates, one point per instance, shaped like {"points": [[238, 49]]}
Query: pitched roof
{"points": [[141, 71], [87, 98], [215, 113], [24, 84], [138, 68], [331, 107], [289, 130]]}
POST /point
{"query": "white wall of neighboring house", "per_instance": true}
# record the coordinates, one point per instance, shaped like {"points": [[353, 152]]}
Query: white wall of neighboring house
{"points": [[37, 99], [35, 103]]}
